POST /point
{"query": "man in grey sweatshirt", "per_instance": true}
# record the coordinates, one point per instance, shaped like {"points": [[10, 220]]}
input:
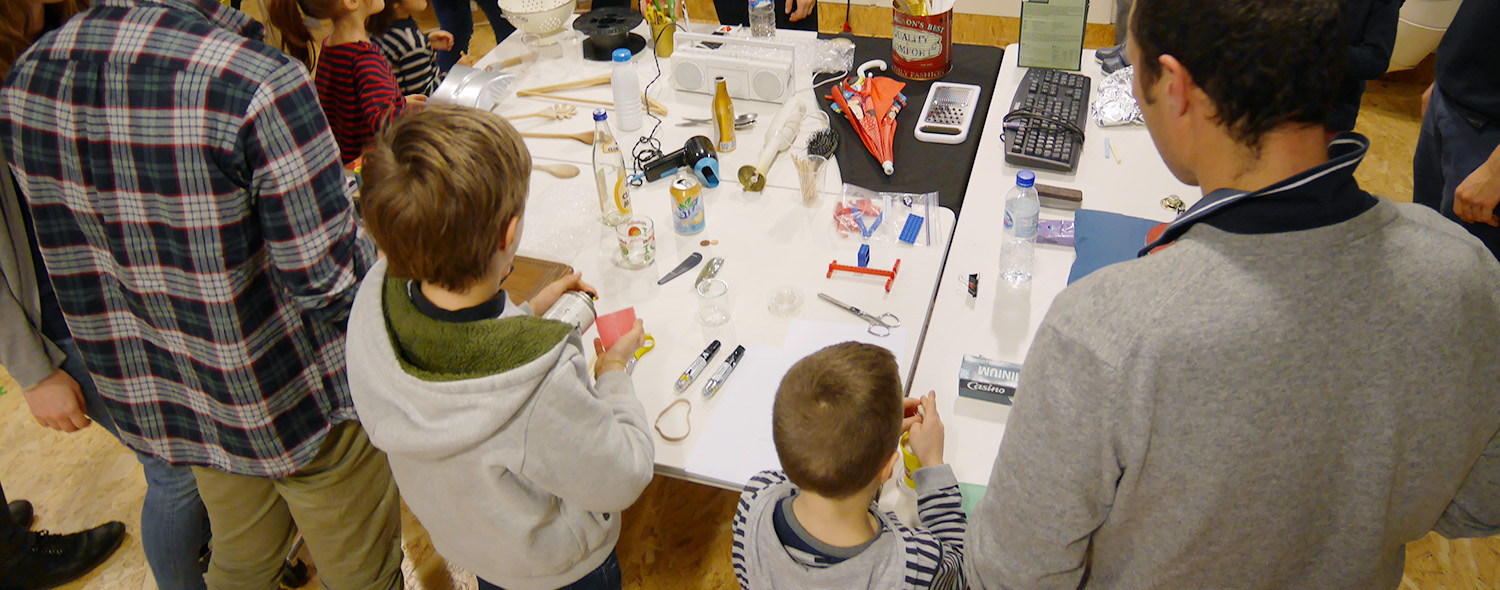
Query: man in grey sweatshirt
{"points": [[1260, 403]]}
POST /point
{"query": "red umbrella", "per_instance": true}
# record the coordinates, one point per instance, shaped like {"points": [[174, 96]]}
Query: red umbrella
{"points": [[871, 104]]}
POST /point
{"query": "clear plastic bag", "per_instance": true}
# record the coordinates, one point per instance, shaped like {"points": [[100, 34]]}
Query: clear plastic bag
{"points": [[869, 217], [825, 56]]}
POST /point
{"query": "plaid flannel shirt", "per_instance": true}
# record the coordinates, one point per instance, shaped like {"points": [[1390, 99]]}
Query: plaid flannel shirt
{"points": [[190, 207]]}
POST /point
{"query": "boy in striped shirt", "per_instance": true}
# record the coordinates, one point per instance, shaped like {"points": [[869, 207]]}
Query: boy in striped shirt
{"points": [[836, 423], [408, 50]]}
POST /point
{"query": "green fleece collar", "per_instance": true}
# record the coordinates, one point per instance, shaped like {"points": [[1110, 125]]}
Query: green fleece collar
{"points": [[432, 350]]}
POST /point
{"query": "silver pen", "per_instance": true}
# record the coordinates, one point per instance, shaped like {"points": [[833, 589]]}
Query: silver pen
{"points": [[717, 381], [698, 365]]}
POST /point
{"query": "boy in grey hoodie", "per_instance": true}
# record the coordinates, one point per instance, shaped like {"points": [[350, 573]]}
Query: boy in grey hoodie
{"points": [[514, 458], [836, 421]]}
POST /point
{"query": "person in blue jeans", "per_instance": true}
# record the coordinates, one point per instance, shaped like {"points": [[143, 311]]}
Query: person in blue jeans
{"points": [[457, 17], [39, 353], [174, 524], [60, 393]]}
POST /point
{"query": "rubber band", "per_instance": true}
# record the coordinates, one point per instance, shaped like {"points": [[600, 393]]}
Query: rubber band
{"points": [[687, 419]]}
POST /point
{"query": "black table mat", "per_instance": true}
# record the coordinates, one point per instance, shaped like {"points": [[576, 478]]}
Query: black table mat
{"points": [[920, 166]]}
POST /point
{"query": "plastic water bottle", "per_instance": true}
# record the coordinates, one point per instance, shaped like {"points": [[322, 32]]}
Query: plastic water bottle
{"points": [[1022, 212], [609, 173], [627, 88], [762, 18]]}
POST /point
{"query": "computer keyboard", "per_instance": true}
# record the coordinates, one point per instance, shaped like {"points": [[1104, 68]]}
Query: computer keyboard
{"points": [[1043, 97]]}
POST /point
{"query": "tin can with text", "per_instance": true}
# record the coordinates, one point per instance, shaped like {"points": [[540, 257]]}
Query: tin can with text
{"points": [[687, 205], [921, 45], [575, 308]]}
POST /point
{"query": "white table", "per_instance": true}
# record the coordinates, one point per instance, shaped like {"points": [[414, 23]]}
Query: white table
{"points": [[1000, 323], [767, 239]]}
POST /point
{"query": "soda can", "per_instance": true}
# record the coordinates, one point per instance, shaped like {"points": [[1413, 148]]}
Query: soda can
{"points": [[687, 205], [575, 308]]}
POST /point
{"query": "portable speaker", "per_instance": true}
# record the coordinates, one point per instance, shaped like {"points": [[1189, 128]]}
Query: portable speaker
{"points": [[753, 69]]}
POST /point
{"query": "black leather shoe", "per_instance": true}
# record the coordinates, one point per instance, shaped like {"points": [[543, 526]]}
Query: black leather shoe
{"points": [[55, 560], [20, 513]]}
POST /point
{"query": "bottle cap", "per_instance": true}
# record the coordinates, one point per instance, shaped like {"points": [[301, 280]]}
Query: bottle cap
{"points": [[1024, 178], [621, 55], [600, 114]]}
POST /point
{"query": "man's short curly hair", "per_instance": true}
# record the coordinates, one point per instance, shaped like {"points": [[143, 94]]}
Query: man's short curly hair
{"points": [[1264, 63]]}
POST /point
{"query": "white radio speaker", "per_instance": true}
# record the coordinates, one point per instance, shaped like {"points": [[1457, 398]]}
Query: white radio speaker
{"points": [[753, 69]]}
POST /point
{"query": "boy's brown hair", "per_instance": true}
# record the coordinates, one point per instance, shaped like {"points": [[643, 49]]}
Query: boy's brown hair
{"points": [[837, 418], [440, 187]]}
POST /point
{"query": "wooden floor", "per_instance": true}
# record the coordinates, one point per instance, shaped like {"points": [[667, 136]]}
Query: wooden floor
{"points": [[677, 536]]}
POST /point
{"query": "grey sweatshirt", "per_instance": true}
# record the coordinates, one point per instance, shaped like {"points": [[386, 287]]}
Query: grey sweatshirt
{"points": [[519, 476], [1282, 410], [900, 558]]}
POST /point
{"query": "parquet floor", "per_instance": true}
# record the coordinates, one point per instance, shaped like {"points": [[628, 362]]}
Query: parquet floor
{"points": [[677, 535]]}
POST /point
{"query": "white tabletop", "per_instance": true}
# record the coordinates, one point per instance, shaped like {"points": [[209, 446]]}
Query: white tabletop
{"points": [[1000, 323], [768, 240]]}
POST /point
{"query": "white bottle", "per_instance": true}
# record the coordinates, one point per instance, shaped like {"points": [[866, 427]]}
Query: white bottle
{"points": [[627, 89], [1022, 213], [762, 18], [609, 174]]}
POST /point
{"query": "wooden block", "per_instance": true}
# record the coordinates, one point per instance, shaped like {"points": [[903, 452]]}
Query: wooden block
{"points": [[528, 276]]}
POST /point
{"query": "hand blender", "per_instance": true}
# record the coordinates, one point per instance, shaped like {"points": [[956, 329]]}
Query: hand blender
{"points": [[784, 129]]}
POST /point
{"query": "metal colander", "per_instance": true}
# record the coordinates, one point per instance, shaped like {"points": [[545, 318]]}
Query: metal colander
{"points": [[539, 17]]}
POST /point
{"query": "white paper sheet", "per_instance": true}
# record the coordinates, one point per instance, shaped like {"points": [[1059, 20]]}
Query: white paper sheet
{"points": [[736, 441]]}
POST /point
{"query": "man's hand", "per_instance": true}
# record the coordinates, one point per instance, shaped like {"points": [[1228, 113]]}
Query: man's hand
{"points": [[57, 403], [618, 356], [799, 9], [926, 438], [1474, 200], [543, 300], [1427, 97], [440, 40]]}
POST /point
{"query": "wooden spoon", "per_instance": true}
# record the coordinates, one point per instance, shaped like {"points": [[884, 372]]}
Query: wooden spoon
{"points": [[556, 112], [581, 137], [558, 170]]}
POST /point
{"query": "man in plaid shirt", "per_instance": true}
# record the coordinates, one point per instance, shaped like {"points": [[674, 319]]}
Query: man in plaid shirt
{"points": [[190, 206]]}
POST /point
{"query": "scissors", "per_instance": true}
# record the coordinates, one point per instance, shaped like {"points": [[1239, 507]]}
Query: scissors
{"points": [[880, 325]]}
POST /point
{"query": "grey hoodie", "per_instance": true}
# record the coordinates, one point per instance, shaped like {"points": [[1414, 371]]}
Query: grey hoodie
{"points": [[519, 476]]}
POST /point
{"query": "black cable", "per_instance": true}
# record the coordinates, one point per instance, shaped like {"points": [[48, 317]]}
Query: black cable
{"points": [[648, 147], [1044, 118]]}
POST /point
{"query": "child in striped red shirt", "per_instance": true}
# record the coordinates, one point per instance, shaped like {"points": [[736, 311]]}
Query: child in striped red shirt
{"points": [[355, 86], [406, 48]]}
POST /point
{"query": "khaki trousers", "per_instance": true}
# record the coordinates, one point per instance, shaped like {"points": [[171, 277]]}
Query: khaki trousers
{"points": [[344, 503]]}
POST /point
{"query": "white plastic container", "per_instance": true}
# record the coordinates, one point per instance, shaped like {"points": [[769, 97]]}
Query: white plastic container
{"points": [[627, 89]]}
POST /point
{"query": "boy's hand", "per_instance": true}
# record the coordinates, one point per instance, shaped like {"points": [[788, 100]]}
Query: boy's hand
{"points": [[910, 413], [926, 438], [618, 356], [543, 300], [440, 40]]}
